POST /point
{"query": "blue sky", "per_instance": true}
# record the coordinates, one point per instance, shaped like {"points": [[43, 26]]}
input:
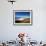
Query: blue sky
{"points": [[22, 14]]}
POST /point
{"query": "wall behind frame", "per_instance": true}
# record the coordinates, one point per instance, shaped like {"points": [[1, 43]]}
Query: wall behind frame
{"points": [[38, 30]]}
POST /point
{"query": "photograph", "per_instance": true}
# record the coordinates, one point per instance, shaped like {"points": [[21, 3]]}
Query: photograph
{"points": [[22, 17]]}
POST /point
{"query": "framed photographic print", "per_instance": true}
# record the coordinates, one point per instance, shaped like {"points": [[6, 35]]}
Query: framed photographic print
{"points": [[22, 17]]}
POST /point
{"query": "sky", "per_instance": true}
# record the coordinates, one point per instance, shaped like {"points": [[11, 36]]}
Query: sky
{"points": [[22, 15]]}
